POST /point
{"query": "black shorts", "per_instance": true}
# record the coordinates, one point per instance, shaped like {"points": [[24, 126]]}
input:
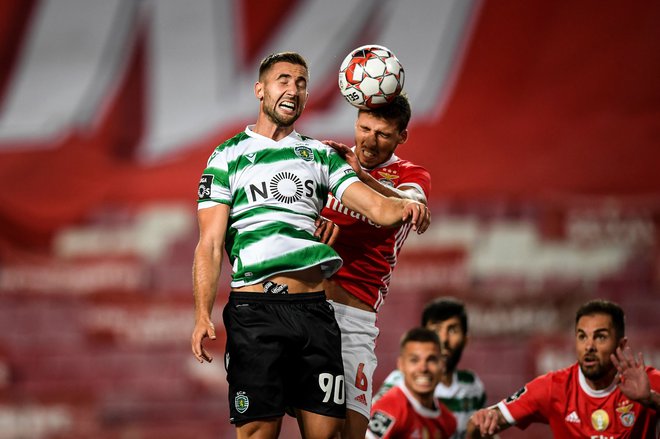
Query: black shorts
{"points": [[283, 350]]}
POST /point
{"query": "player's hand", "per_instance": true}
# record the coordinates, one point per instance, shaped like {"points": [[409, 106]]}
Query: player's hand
{"points": [[347, 154], [418, 215], [326, 230], [631, 374], [487, 421], [202, 330]]}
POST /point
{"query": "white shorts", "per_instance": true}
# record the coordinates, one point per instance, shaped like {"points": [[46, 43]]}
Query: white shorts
{"points": [[358, 345]]}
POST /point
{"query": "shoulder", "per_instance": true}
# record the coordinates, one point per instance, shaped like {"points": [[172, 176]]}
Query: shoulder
{"points": [[447, 417], [228, 145], [469, 378], [388, 411], [653, 373], [410, 166], [394, 377], [233, 141], [393, 401], [311, 142], [393, 396]]}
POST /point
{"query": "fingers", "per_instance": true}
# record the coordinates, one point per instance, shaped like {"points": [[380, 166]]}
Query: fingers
{"points": [[334, 234], [420, 217], [339, 147], [327, 231], [640, 360], [198, 350]]}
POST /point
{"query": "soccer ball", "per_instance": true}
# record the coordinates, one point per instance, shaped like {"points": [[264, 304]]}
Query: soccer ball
{"points": [[370, 76]]}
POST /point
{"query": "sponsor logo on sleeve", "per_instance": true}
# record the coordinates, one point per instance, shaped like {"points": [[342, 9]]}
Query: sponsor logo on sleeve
{"points": [[204, 190], [516, 395], [380, 423]]}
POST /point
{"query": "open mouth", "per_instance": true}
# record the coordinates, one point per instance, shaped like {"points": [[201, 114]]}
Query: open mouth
{"points": [[288, 105], [368, 154], [423, 380]]}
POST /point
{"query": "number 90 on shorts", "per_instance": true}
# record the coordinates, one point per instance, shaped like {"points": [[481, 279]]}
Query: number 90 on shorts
{"points": [[333, 387]]}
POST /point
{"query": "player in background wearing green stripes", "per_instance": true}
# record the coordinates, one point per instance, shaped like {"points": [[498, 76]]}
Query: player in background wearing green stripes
{"points": [[258, 198], [460, 390]]}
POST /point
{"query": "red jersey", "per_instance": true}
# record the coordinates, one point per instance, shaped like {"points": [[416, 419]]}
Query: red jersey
{"points": [[370, 251], [564, 400], [397, 414]]}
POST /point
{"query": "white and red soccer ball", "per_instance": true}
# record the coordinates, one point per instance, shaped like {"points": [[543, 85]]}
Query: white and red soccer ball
{"points": [[370, 76]]}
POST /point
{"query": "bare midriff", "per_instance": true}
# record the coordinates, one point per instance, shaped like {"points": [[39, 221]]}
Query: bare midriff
{"points": [[303, 281], [336, 293]]}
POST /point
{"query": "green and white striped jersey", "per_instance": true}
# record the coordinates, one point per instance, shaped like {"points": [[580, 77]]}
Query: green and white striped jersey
{"points": [[276, 190], [465, 396]]}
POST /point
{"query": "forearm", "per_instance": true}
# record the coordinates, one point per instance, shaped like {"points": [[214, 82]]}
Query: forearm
{"points": [[382, 210], [206, 272], [389, 191], [386, 211]]}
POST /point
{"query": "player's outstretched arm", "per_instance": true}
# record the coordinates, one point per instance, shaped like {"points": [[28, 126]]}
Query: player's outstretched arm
{"points": [[485, 423], [632, 378], [407, 192], [206, 272], [386, 211]]}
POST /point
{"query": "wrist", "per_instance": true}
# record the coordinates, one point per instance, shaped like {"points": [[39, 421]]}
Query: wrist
{"points": [[651, 400]]}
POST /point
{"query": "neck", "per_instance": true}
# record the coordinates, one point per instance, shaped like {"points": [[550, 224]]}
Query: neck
{"points": [[265, 127], [447, 378], [426, 400], [602, 383]]}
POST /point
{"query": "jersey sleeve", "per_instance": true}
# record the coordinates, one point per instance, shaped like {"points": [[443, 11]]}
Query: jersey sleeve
{"points": [[214, 183], [448, 420], [528, 404], [341, 174], [654, 378], [386, 415], [417, 177]]}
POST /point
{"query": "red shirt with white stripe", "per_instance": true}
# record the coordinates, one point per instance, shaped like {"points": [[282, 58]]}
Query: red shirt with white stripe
{"points": [[369, 251], [564, 400], [397, 414]]}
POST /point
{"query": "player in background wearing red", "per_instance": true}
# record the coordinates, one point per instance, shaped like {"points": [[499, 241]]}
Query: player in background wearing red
{"points": [[370, 252], [409, 409], [607, 394]]}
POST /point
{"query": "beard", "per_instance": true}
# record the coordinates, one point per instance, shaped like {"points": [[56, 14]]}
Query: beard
{"points": [[595, 372], [275, 117], [451, 362]]}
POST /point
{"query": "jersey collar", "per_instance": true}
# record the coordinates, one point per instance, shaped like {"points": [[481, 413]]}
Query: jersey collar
{"points": [[591, 392], [419, 408]]}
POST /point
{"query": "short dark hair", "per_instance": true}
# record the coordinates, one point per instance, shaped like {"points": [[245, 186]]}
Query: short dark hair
{"points": [[443, 308], [398, 110], [422, 335], [602, 306], [273, 58]]}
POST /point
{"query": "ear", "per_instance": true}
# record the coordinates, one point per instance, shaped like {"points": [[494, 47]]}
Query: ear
{"points": [[623, 342], [403, 136], [399, 363], [259, 90]]}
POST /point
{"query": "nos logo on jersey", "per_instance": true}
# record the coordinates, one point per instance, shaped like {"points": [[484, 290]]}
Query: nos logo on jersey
{"points": [[285, 187]]}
